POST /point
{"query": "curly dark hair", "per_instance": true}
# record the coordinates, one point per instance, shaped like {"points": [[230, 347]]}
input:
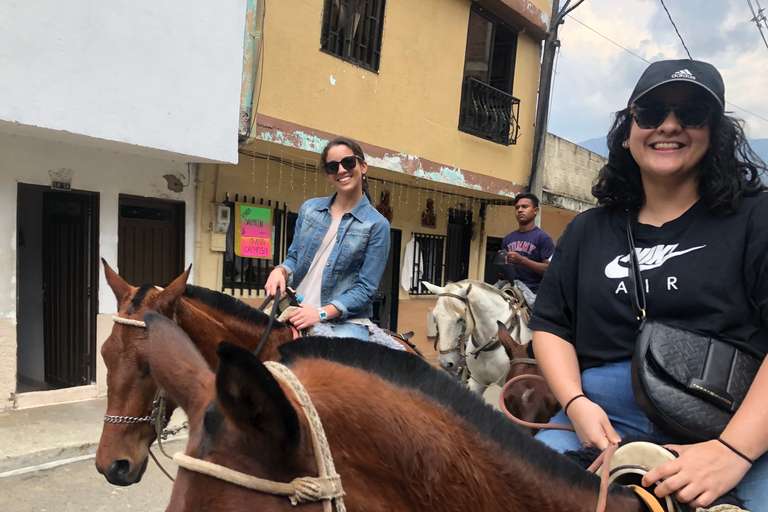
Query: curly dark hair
{"points": [[730, 169]]}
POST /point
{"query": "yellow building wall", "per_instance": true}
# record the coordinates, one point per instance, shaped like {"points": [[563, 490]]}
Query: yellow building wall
{"points": [[412, 105], [254, 177]]}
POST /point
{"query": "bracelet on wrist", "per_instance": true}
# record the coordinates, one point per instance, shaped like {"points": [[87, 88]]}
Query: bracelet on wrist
{"points": [[737, 452], [565, 409]]}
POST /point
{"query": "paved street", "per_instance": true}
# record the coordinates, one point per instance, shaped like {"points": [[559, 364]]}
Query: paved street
{"points": [[78, 487]]}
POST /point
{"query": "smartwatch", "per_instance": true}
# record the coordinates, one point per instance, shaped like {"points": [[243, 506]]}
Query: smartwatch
{"points": [[322, 314]]}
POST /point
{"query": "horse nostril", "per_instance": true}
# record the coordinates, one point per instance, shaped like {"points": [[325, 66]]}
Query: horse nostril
{"points": [[449, 365], [118, 471]]}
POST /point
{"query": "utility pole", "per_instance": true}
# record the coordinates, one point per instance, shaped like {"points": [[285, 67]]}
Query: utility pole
{"points": [[551, 44], [759, 19]]}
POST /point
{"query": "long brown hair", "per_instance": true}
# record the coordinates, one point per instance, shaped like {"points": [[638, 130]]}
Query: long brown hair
{"points": [[356, 149]]}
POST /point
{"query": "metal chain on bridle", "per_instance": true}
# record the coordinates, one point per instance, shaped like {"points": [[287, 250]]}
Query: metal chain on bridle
{"points": [[157, 418]]}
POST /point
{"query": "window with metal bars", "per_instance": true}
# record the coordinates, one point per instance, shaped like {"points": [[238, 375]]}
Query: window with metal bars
{"points": [[352, 31], [248, 275], [427, 262]]}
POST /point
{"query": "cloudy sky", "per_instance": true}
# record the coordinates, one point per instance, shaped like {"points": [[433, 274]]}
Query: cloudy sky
{"points": [[595, 77]]}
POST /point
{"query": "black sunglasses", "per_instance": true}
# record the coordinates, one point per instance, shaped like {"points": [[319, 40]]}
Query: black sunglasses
{"points": [[692, 114], [348, 162]]}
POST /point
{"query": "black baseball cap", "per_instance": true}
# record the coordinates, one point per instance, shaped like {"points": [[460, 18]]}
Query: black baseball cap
{"points": [[703, 74]]}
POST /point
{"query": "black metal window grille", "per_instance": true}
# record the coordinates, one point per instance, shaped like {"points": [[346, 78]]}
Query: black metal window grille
{"points": [[248, 275], [352, 31], [431, 250], [488, 109]]}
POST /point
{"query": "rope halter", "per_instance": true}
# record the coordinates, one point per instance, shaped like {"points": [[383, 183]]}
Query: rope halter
{"points": [[326, 487]]}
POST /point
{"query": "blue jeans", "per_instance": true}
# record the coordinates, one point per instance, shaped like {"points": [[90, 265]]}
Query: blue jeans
{"points": [[347, 330], [610, 386]]}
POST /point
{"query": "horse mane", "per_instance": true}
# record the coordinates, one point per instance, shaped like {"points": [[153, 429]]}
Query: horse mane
{"points": [[139, 297], [408, 371], [227, 304]]}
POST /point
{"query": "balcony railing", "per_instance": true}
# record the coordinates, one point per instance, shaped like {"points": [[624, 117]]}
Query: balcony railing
{"points": [[489, 113]]}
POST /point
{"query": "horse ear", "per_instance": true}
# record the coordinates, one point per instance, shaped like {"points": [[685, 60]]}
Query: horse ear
{"points": [[166, 301], [177, 365], [120, 288], [505, 339], [249, 393], [433, 288]]}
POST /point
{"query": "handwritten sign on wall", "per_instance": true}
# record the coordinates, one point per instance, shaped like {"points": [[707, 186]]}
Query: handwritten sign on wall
{"points": [[253, 231]]}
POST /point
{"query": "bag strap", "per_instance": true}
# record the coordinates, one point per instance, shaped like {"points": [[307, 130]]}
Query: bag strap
{"points": [[637, 293]]}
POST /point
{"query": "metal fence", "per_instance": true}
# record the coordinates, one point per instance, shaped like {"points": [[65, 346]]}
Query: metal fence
{"points": [[248, 275], [428, 255], [489, 113]]}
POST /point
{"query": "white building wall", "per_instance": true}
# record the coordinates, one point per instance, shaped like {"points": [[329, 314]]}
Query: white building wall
{"points": [[29, 160], [164, 74]]}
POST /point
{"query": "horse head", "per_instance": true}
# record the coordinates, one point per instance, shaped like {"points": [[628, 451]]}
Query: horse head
{"points": [[402, 435], [450, 315], [529, 400], [128, 432], [240, 416]]}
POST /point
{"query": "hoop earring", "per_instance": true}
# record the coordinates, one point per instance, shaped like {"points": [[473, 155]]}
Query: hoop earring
{"points": [[625, 144]]}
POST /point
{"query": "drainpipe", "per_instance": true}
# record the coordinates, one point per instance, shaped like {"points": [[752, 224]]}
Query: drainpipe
{"points": [[252, 48]]}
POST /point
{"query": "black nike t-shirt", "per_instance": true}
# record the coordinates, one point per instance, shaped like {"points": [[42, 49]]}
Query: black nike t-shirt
{"points": [[701, 272]]}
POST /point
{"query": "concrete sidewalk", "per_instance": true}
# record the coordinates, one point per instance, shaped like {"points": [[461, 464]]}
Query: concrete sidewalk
{"points": [[45, 436]]}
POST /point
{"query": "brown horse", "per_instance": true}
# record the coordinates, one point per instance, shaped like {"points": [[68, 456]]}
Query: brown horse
{"points": [[528, 400], [402, 435], [207, 317]]}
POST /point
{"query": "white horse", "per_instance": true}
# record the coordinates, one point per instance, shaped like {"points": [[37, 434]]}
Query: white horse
{"points": [[466, 313]]}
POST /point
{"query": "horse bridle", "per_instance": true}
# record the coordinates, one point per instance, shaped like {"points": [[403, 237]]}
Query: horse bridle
{"points": [[489, 344], [157, 418], [326, 487]]}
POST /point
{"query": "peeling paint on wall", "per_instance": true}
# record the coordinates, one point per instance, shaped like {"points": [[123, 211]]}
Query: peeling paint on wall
{"points": [[299, 137], [333, 80]]}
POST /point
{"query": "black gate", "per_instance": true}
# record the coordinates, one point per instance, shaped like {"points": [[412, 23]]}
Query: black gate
{"points": [[69, 287], [250, 274]]}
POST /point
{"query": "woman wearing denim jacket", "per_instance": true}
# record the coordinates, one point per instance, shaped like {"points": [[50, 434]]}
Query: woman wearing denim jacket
{"points": [[339, 250]]}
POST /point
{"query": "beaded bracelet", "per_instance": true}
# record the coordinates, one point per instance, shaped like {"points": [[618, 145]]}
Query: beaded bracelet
{"points": [[737, 452], [565, 409]]}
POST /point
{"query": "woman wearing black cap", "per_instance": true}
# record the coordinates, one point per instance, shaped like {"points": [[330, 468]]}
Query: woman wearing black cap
{"points": [[685, 170]]}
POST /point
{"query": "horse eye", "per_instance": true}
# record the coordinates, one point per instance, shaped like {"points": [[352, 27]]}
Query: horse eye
{"points": [[459, 320]]}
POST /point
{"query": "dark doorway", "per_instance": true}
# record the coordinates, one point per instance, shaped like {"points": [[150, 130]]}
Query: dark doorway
{"points": [[57, 235], [150, 243], [492, 248], [457, 245], [385, 305]]}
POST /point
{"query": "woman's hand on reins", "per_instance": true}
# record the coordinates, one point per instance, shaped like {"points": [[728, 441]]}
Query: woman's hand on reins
{"points": [[304, 317], [275, 280], [592, 424], [702, 473]]}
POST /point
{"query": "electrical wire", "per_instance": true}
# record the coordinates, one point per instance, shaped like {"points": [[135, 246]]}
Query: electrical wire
{"points": [[675, 27], [648, 62], [608, 39]]}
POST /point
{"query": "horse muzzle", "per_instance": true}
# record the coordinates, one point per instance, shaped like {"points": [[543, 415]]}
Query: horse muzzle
{"points": [[122, 472]]}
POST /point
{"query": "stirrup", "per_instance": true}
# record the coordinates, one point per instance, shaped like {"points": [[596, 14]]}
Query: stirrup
{"points": [[632, 461]]}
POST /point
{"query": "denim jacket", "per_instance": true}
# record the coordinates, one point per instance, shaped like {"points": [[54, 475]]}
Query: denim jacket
{"points": [[357, 260]]}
